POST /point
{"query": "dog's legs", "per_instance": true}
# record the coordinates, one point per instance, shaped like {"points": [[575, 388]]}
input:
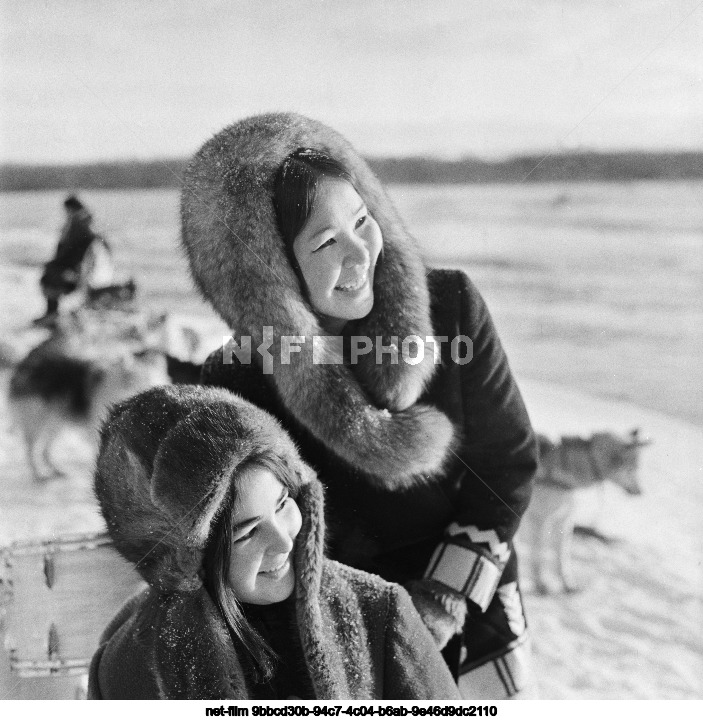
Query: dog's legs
{"points": [[30, 440], [566, 535], [48, 438], [38, 441], [592, 531], [552, 525], [537, 529], [540, 544], [38, 426]]}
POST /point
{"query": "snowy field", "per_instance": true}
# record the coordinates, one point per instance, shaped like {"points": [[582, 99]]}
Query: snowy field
{"points": [[596, 291]]}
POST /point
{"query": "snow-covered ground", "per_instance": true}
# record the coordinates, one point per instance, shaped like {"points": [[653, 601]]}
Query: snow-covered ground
{"points": [[635, 630]]}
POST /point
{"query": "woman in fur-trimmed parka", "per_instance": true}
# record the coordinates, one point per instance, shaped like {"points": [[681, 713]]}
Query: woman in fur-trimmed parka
{"points": [[427, 457], [208, 497]]}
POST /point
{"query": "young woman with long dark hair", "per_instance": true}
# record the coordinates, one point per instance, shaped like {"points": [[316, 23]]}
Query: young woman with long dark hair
{"points": [[208, 497]]}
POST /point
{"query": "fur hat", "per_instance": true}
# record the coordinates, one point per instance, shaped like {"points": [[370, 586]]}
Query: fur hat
{"points": [[167, 460], [367, 413]]}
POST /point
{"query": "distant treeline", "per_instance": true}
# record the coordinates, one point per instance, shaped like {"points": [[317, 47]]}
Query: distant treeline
{"points": [[540, 168], [126, 174], [528, 168]]}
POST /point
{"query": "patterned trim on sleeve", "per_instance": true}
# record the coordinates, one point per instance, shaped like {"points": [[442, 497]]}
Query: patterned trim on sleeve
{"points": [[470, 561]]}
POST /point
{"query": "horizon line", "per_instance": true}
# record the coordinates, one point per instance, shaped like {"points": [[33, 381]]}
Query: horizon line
{"points": [[416, 157]]}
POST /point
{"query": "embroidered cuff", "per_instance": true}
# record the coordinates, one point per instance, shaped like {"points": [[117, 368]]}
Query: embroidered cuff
{"points": [[467, 567]]}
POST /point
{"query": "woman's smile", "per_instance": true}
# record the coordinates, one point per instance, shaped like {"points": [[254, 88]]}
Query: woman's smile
{"points": [[355, 285], [277, 571]]}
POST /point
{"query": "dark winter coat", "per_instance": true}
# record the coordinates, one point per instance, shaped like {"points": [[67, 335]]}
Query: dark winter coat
{"points": [[62, 272], [427, 467], [166, 464]]}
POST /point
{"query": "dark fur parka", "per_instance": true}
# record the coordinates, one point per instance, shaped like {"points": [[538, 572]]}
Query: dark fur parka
{"points": [[168, 458]]}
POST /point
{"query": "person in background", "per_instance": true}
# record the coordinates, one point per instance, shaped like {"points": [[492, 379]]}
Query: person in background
{"points": [[63, 273], [206, 494], [389, 375]]}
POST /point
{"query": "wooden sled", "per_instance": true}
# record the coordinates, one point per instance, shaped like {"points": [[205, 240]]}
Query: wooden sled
{"points": [[56, 597]]}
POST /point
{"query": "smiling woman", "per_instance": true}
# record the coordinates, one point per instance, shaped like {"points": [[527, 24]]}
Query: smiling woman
{"points": [[427, 458], [335, 241], [207, 496]]}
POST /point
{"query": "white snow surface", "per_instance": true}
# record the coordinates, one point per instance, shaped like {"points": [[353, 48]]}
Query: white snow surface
{"points": [[635, 629]]}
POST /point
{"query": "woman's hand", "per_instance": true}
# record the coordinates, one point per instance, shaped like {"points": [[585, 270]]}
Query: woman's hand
{"points": [[442, 609]]}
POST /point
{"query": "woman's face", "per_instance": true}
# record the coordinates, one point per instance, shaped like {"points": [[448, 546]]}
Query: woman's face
{"points": [[337, 250], [265, 522]]}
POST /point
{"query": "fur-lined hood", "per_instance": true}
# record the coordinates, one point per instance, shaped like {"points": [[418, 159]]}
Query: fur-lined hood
{"points": [[367, 414], [166, 463]]}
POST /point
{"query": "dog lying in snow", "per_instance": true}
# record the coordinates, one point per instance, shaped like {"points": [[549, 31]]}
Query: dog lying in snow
{"points": [[566, 467]]}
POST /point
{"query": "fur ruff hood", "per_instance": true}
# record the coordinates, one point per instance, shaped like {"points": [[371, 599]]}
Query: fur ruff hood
{"points": [[166, 463], [367, 414]]}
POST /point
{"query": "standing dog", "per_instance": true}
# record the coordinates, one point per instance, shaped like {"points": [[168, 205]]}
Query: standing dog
{"points": [[50, 389], [92, 359], [566, 467]]}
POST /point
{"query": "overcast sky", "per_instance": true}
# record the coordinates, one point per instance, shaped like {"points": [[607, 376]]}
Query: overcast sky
{"points": [[105, 79]]}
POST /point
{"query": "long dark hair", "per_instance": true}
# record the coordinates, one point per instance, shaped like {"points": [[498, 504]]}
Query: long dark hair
{"points": [[295, 189], [218, 554]]}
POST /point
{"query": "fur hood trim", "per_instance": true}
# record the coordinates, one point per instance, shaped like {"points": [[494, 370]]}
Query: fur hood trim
{"points": [[369, 416], [166, 463]]}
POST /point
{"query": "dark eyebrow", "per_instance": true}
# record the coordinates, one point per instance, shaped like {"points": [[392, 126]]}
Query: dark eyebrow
{"points": [[243, 524], [254, 519], [326, 230]]}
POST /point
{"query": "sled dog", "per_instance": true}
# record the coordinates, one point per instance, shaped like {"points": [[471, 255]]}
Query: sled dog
{"points": [[50, 390], [572, 464]]}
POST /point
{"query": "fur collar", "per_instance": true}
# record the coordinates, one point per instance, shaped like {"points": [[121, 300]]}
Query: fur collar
{"points": [[369, 416]]}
